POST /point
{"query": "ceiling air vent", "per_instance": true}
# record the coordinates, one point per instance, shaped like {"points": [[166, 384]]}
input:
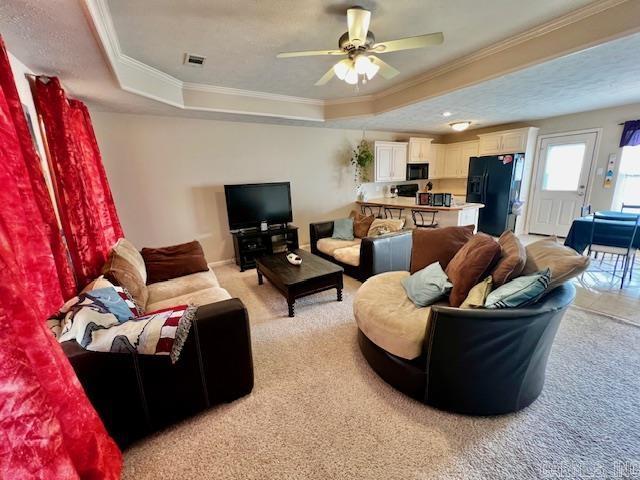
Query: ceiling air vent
{"points": [[194, 60]]}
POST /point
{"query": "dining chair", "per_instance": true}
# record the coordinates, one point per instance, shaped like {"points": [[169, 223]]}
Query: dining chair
{"points": [[389, 212], [598, 241], [629, 206], [585, 210], [420, 218], [371, 210]]}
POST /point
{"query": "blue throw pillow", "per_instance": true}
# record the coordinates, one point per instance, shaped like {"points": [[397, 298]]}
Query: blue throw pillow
{"points": [[428, 285], [343, 229], [520, 292]]}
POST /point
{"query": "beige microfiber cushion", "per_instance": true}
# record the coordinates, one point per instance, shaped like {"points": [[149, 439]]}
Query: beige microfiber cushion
{"points": [[120, 271], [96, 284], [348, 255], [330, 245], [470, 264], [182, 285], [201, 297], [478, 294], [380, 226], [512, 259], [127, 250], [437, 245], [361, 223], [564, 262], [388, 318]]}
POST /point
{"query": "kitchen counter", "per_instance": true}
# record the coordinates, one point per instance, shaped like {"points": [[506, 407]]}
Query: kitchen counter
{"points": [[410, 202], [461, 214]]}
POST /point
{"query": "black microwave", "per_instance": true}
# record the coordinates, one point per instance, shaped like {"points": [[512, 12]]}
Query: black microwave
{"points": [[417, 171]]}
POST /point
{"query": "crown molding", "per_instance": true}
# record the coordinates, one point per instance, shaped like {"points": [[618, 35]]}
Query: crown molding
{"points": [[139, 78]]}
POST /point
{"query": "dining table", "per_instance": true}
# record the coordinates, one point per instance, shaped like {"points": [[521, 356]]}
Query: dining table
{"points": [[612, 232]]}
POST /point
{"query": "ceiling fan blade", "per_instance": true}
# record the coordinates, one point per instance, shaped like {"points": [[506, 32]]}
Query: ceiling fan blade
{"points": [[309, 53], [358, 21], [409, 43], [386, 70], [326, 77]]}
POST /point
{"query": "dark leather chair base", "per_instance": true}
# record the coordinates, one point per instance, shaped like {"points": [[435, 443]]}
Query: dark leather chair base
{"points": [[477, 362]]}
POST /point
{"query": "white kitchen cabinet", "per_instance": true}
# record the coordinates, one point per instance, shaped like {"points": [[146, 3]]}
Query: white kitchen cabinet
{"points": [[507, 141], [452, 156], [456, 163], [390, 161], [419, 150], [437, 162], [469, 149]]}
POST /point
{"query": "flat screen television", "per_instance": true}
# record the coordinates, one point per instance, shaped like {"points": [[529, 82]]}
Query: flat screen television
{"points": [[250, 204]]}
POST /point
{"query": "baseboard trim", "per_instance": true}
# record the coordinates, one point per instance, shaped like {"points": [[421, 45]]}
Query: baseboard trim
{"points": [[220, 263]]}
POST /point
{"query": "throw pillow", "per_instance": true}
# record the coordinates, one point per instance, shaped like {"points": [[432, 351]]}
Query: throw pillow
{"points": [[472, 262], [437, 245], [127, 250], [564, 262], [478, 294], [361, 224], [97, 283], [512, 259], [382, 226], [427, 286], [520, 292], [121, 272], [174, 261], [343, 229]]}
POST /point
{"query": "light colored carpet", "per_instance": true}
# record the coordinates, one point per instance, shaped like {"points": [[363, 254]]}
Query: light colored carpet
{"points": [[318, 411]]}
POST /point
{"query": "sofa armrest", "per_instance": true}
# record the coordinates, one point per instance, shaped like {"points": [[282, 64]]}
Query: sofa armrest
{"points": [[386, 253], [317, 231]]}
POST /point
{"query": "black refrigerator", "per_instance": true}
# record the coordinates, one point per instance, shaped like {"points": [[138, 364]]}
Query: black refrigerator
{"points": [[495, 181]]}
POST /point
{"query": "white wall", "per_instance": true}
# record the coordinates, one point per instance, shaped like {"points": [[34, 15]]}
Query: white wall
{"points": [[167, 173], [608, 119]]}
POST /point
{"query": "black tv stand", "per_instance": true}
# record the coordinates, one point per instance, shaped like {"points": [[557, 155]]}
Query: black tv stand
{"points": [[251, 244]]}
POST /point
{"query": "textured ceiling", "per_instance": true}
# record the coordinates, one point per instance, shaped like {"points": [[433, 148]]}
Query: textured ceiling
{"points": [[599, 77], [54, 37], [241, 38]]}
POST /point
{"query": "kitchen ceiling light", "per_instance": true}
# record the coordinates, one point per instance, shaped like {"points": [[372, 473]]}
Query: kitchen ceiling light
{"points": [[460, 126], [446, 114]]}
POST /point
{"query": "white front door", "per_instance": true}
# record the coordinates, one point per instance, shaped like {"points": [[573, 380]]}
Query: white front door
{"points": [[564, 167]]}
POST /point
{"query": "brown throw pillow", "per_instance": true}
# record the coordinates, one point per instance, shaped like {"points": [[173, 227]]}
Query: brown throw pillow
{"points": [[512, 259], [174, 261], [361, 224], [470, 264], [437, 245], [120, 271], [564, 262]]}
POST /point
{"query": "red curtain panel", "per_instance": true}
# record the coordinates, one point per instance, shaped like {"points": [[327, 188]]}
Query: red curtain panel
{"points": [[36, 185], [49, 428], [87, 212]]}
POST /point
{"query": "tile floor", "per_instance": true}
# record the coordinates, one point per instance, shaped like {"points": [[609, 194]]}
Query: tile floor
{"points": [[598, 290]]}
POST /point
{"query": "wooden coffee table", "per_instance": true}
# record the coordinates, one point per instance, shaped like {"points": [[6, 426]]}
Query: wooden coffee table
{"points": [[295, 281]]}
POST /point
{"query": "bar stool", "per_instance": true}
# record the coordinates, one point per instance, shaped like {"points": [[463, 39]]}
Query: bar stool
{"points": [[389, 212], [369, 210], [419, 218]]}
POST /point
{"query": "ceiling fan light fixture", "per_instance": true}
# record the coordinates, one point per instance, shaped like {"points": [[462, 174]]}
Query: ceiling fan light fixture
{"points": [[342, 68], [351, 77], [460, 126], [362, 64]]}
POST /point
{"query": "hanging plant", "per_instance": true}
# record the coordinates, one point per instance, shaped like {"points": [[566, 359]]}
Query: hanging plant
{"points": [[361, 159]]}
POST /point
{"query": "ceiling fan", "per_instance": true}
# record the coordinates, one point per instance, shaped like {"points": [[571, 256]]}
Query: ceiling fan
{"points": [[358, 44]]}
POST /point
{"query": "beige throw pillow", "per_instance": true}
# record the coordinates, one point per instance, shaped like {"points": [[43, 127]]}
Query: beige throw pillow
{"points": [[478, 294], [564, 262], [382, 226]]}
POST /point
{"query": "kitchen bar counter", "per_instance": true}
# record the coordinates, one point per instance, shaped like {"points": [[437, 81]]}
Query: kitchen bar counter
{"points": [[462, 213]]}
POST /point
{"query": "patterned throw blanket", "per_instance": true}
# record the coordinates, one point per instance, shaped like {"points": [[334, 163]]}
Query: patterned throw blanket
{"points": [[106, 320]]}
